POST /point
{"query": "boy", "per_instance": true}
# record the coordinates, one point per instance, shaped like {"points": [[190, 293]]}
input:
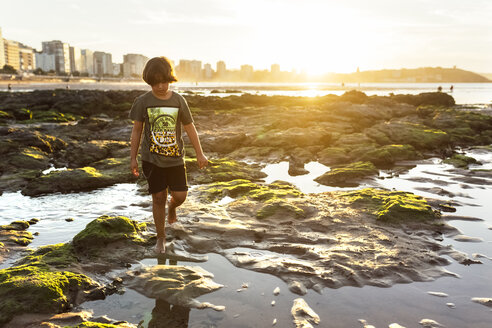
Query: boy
{"points": [[160, 113]]}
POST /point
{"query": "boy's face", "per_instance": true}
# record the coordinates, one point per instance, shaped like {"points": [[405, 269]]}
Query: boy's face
{"points": [[160, 88]]}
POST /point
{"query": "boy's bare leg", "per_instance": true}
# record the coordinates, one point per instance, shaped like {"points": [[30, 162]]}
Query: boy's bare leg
{"points": [[177, 198], [159, 211]]}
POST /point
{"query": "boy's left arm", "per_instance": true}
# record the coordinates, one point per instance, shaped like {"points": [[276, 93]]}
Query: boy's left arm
{"points": [[195, 141]]}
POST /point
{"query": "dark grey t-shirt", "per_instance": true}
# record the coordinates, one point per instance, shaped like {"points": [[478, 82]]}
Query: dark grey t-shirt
{"points": [[162, 143]]}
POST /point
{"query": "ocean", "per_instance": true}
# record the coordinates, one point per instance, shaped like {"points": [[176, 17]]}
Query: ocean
{"points": [[463, 93]]}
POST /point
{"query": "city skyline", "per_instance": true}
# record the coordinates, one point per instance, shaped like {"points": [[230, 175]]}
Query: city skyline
{"points": [[316, 36], [62, 58]]}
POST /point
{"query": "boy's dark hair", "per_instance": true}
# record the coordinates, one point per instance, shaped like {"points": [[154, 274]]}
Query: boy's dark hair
{"points": [[158, 70]]}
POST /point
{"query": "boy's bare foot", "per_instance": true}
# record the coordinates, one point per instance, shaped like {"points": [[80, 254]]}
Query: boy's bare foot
{"points": [[160, 246], [171, 213]]}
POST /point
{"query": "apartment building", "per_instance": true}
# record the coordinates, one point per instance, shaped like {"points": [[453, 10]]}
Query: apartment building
{"points": [[27, 58], [189, 69], [11, 51], [61, 51], [133, 64], [75, 59], [45, 61], [103, 63], [87, 62]]}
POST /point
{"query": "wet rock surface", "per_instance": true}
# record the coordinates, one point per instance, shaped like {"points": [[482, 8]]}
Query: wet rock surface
{"points": [[175, 284], [335, 239], [77, 129], [14, 238]]}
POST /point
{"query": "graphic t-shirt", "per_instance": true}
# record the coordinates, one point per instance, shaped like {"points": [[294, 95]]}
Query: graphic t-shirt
{"points": [[162, 143]]}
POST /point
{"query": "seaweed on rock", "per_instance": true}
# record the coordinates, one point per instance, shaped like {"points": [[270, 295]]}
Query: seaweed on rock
{"points": [[392, 205]]}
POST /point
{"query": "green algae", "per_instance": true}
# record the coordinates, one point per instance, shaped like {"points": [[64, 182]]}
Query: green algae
{"points": [[392, 205], [221, 170], [420, 136], [79, 179], [218, 190], [42, 116], [464, 127], [279, 206], [245, 188], [22, 114], [58, 255], [29, 158], [460, 161], [389, 154], [277, 189], [5, 117], [107, 229], [23, 241], [16, 225], [348, 175], [27, 289], [22, 238]]}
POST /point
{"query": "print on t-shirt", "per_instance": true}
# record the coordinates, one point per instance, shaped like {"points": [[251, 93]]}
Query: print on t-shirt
{"points": [[162, 122]]}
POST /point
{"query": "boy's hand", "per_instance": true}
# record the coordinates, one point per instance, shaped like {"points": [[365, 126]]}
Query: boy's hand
{"points": [[134, 167], [202, 161]]}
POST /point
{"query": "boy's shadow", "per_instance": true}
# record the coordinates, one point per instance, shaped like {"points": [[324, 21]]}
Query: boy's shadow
{"points": [[166, 315]]}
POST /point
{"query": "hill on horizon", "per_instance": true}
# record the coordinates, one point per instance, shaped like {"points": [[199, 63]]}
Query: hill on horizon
{"points": [[423, 74]]}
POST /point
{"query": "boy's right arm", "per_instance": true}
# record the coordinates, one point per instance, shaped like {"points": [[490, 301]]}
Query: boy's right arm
{"points": [[134, 145]]}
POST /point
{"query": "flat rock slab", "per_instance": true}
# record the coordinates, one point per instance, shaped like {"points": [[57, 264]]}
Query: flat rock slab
{"points": [[175, 284]]}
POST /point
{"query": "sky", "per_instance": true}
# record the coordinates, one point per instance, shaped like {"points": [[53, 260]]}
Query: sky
{"points": [[316, 36]]}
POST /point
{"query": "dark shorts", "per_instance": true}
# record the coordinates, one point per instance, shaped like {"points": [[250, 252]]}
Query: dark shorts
{"points": [[161, 178]]}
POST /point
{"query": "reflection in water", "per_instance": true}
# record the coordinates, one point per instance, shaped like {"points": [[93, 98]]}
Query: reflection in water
{"points": [[166, 315]]}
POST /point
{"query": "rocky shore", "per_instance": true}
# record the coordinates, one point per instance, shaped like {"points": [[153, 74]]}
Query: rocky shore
{"points": [[63, 141]]}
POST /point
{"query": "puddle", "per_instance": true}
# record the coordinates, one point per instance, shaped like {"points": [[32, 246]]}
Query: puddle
{"points": [[52, 210]]}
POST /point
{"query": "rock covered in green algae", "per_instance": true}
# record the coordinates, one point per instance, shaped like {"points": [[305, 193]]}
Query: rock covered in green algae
{"points": [[58, 255], [464, 127], [223, 170], [426, 98], [109, 229], [241, 187], [29, 158], [33, 288], [349, 175], [279, 206], [80, 179], [16, 225], [388, 154], [234, 188], [392, 205], [416, 134], [69, 180], [15, 233], [175, 284], [5, 117], [52, 115], [85, 153], [461, 161]]}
